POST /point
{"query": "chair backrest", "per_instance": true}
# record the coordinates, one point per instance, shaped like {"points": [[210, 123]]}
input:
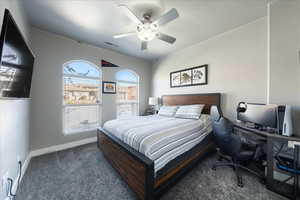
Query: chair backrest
{"points": [[228, 143]]}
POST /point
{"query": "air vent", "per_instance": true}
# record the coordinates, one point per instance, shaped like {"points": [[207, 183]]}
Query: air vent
{"points": [[111, 44]]}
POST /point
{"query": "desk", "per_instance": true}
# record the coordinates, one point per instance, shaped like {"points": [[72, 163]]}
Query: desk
{"points": [[271, 138]]}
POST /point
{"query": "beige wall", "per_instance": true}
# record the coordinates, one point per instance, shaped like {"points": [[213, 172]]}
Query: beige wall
{"points": [[52, 51], [284, 56], [237, 66], [14, 114]]}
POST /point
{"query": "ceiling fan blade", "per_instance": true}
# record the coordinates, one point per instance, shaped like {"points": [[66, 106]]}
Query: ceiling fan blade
{"points": [[124, 35], [144, 45], [130, 14], [167, 17], [166, 38]]}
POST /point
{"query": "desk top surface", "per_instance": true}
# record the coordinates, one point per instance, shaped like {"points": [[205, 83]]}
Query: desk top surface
{"points": [[242, 126]]}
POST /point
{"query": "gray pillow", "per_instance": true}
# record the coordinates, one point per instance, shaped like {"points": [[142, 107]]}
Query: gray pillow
{"points": [[168, 111], [190, 111]]}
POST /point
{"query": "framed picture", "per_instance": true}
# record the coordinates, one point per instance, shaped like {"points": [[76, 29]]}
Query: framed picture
{"points": [[175, 79], [189, 77], [199, 75], [186, 77], [108, 87]]}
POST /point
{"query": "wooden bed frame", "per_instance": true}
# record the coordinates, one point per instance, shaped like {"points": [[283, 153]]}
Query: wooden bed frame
{"points": [[137, 170]]}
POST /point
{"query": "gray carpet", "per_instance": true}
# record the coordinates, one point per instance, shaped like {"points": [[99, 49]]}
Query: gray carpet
{"points": [[82, 173]]}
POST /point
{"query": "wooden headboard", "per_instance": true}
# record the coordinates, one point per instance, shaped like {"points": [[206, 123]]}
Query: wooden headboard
{"points": [[208, 99]]}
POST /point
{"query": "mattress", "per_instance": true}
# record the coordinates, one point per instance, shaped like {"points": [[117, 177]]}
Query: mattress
{"points": [[160, 138]]}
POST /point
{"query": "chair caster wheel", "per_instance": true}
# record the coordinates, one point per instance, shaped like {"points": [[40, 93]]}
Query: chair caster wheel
{"points": [[240, 182], [262, 181], [241, 185], [214, 168]]}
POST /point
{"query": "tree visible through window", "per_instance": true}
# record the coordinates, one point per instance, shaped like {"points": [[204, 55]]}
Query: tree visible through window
{"points": [[82, 97], [127, 94]]}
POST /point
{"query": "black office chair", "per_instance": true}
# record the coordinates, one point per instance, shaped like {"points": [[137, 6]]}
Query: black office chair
{"points": [[230, 146]]}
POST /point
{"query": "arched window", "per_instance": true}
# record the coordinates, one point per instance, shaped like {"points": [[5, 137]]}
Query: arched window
{"points": [[127, 93], [81, 97]]}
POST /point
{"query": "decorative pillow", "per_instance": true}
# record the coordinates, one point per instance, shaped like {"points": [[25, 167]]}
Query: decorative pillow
{"points": [[168, 111], [190, 111]]}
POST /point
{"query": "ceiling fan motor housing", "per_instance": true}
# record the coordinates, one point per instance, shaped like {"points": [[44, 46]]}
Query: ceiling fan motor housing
{"points": [[147, 16]]}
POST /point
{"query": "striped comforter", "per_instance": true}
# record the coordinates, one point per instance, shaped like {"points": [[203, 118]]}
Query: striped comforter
{"points": [[160, 138]]}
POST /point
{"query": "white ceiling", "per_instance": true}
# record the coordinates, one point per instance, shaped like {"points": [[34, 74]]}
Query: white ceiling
{"points": [[96, 21]]}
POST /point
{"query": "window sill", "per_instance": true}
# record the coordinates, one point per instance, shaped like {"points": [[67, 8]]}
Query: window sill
{"points": [[79, 131]]}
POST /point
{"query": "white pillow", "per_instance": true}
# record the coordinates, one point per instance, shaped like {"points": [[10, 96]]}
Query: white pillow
{"points": [[190, 111], [168, 111]]}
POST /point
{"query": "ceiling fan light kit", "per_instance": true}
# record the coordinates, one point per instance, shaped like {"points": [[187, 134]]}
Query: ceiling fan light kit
{"points": [[147, 30]]}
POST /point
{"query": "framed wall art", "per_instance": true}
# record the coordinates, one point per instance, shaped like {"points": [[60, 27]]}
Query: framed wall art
{"points": [[189, 77], [108, 87]]}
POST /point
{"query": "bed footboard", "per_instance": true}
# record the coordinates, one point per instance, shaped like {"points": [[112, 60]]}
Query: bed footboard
{"points": [[136, 169]]}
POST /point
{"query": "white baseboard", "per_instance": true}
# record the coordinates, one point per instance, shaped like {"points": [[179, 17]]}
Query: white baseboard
{"points": [[61, 147]]}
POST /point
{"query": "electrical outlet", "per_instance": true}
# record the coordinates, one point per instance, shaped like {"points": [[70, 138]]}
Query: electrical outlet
{"points": [[4, 182]]}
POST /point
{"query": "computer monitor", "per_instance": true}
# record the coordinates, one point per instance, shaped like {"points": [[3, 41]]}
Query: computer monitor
{"points": [[260, 114]]}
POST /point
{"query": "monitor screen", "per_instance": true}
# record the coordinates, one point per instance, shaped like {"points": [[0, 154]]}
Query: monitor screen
{"points": [[259, 114]]}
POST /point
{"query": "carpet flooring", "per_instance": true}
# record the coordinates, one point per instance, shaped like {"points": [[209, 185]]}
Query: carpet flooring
{"points": [[82, 173]]}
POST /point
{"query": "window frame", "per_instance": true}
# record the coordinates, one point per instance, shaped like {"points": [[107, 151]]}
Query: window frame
{"points": [[99, 104], [129, 82]]}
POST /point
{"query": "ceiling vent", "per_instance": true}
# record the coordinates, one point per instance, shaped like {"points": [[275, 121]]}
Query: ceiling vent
{"points": [[111, 44]]}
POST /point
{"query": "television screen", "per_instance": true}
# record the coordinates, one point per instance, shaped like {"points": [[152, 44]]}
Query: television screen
{"points": [[16, 61]]}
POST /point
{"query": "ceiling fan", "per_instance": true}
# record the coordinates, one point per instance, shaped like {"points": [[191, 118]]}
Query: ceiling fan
{"points": [[147, 29]]}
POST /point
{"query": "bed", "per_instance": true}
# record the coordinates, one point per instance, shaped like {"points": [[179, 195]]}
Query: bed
{"points": [[157, 150]]}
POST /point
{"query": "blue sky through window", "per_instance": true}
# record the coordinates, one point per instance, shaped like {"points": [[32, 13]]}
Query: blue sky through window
{"points": [[82, 68], [126, 75]]}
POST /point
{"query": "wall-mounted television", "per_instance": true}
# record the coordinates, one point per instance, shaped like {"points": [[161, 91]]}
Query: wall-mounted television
{"points": [[16, 61]]}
